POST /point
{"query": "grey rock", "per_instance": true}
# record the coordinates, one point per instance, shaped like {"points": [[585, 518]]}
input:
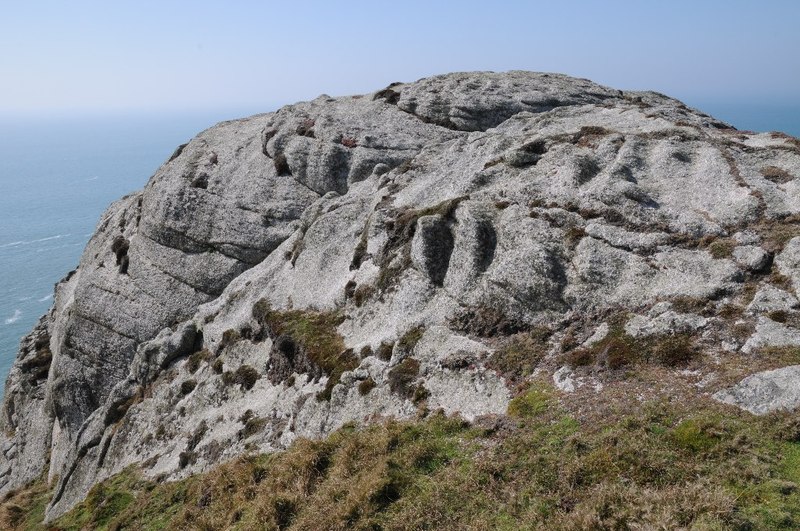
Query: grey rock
{"points": [[768, 333], [751, 257], [665, 322], [765, 392], [770, 299]]}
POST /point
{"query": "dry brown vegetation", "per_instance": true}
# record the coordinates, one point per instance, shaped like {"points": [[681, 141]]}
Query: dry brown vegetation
{"points": [[662, 465]]}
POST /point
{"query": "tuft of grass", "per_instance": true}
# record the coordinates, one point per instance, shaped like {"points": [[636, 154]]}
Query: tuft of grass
{"points": [[574, 235], [194, 361], [365, 352], [530, 403], [589, 135], [722, 248], [229, 337], [776, 175], [409, 340], [315, 333], [521, 353], [365, 386], [384, 352], [402, 377], [695, 435]]}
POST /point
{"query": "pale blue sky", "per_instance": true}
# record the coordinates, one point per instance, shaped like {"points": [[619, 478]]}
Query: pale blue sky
{"points": [[189, 55]]}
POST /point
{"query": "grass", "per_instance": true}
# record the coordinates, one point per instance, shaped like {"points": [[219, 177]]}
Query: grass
{"points": [[402, 377], [664, 465], [521, 354], [722, 248], [315, 333], [619, 350], [531, 403], [776, 175]]}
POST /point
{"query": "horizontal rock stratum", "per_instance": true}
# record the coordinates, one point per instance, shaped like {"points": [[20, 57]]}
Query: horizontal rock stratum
{"points": [[356, 258]]}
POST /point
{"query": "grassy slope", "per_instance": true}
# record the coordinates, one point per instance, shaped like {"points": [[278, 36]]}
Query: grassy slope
{"points": [[664, 465]]}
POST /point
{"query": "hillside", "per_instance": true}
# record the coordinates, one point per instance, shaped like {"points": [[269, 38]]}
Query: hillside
{"points": [[548, 300]]}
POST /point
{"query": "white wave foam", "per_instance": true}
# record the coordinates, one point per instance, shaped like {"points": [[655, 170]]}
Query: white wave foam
{"points": [[28, 242], [46, 298], [48, 249], [14, 318]]}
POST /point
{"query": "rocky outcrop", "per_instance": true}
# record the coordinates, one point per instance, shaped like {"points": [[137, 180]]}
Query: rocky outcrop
{"points": [[291, 272], [766, 391]]}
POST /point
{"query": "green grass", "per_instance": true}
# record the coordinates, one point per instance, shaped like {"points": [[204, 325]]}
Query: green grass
{"points": [[619, 350], [530, 403], [663, 465], [316, 333]]}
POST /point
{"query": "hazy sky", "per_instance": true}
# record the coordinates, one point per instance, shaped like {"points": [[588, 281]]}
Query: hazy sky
{"points": [[188, 55]]}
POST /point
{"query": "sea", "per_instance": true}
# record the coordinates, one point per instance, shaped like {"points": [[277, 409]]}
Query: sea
{"points": [[59, 173]]}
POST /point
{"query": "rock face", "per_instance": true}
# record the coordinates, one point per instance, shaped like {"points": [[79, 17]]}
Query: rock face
{"points": [[348, 259]]}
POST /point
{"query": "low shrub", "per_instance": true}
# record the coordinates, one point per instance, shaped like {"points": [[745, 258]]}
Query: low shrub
{"points": [[318, 345], [409, 340], [252, 426], [365, 386], [384, 352], [619, 350], [246, 376], [402, 377], [521, 353], [187, 386], [194, 361]]}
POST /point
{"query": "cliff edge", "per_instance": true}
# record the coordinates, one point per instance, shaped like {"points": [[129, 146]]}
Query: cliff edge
{"points": [[432, 246]]}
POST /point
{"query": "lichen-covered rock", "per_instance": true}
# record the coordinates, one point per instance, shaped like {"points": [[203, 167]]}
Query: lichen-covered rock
{"points": [[766, 391], [751, 257], [663, 320], [357, 258], [768, 333], [771, 299]]}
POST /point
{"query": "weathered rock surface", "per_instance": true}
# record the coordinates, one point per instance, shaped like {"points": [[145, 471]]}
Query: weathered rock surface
{"points": [[766, 391], [414, 230]]}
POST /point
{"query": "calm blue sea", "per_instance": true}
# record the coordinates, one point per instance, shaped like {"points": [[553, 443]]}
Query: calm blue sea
{"points": [[58, 174]]}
